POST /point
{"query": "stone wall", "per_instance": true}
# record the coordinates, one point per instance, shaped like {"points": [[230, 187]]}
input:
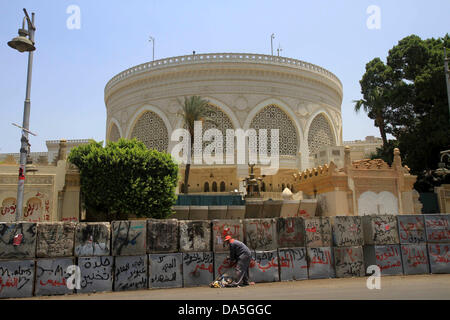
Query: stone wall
{"points": [[67, 258]]}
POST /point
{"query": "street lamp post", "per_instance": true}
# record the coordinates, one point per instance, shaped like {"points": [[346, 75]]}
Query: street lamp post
{"points": [[22, 44]]}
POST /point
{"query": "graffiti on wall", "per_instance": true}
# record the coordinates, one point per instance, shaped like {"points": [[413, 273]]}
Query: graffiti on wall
{"points": [[198, 268], [195, 236], [293, 264], [437, 228], [380, 230], [16, 278], [130, 273], [415, 258], [96, 273], [55, 240], [291, 232], [439, 257], [128, 237], [222, 228], [162, 236], [165, 270], [260, 234], [411, 229], [320, 263], [318, 232], [349, 261], [51, 276], [388, 258], [347, 231], [92, 239], [264, 266]]}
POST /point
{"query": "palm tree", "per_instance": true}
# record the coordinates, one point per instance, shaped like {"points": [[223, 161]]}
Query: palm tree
{"points": [[375, 108], [193, 109]]}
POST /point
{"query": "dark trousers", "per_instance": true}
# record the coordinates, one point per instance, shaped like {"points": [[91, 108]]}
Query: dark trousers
{"points": [[242, 269]]}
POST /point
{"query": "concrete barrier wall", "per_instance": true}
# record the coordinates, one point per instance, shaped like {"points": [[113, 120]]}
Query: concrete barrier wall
{"points": [[380, 230], [292, 264], [260, 234], [134, 255], [347, 231], [318, 232], [411, 229]]}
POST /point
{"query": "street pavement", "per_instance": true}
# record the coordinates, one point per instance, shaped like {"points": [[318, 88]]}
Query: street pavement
{"points": [[430, 286]]}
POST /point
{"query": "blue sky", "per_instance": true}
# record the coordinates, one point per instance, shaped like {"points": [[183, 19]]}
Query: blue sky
{"points": [[72, 67]]}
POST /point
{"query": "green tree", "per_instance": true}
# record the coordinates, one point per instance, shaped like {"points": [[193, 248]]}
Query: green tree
{"points": [[125, 177], [194, 109], [412, 100]]}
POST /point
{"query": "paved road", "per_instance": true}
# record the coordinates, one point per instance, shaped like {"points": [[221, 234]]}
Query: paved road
{"points": [[428, 286]]}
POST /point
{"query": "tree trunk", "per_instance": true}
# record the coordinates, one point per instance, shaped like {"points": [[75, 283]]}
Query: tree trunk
{"points": [[186, 177], [380, 123]]}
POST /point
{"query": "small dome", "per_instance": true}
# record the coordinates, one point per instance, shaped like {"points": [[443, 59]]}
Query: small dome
{"points": [[287, 194]]}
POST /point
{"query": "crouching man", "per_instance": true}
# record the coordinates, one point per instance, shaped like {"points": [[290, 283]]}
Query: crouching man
{"points": [[241, 255]]}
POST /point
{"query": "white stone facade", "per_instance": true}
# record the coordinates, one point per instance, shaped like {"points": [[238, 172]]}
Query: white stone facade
{"points": [[250, 91]]}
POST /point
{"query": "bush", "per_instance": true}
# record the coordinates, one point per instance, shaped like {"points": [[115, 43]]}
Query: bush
{"points": [[125, 178]]}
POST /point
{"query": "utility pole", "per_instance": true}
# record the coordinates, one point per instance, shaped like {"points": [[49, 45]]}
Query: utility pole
{"points": [[447, 80]]}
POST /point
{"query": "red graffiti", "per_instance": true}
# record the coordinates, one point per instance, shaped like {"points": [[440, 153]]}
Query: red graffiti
{"points": [[17, 239], [437, 223], [226, 264], [415, 257], [11, 210], [319, 260], [203, 267], [270, 264], [10, 283], [440, 235], [389, 266], [350, 253], [311, 229], [392, 252], [31, 208], [70, 219], [54, 283]]}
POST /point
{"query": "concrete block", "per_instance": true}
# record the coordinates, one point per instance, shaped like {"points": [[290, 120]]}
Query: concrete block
{"points": [[195, 236], [162, 236], [264, 266], [55, 239], [16, 279], [165, 270], [380, 230], [320, 263], [181, 212], [222, 265], [415, 258], [18, 240], [272, 208], [217, 212], [198, 269], [235, 212], [221, 228], [130, 273], [347, 231], [96, 274], [290, 208], [198, 212], [92, 239], [439, 254], [307, 208], [318, 232], [349, 261], [290, 232], [51, 276], [129, 238], [437, 228], [411, 229], [387, 258], [260, 234], [254, 209], [293, 264]]}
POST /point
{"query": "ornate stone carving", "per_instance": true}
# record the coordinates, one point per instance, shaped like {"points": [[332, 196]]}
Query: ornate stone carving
{"points": [[272, 117], [151, 130], [320, 134]]}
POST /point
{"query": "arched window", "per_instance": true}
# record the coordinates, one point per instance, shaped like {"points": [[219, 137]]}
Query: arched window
{"points": [[263, 187], [320, 134], [151, 130], [222, 186], [214, 186], [272, 117], [282, 187], [206, 187], [114, 133]]}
